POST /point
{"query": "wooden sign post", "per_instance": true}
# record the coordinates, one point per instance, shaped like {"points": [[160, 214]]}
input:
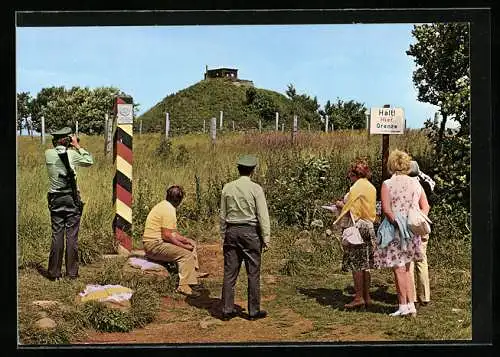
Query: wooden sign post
{"points": [[386, 121]]}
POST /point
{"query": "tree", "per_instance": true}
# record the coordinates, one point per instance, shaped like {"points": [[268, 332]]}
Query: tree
{"points": [[61, 107], [23, 110], [442, 77], [345, 115], [305, 107]]}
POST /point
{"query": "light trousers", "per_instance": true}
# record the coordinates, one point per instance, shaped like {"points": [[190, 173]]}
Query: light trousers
{"points": [[186, 260], [419, 274]]}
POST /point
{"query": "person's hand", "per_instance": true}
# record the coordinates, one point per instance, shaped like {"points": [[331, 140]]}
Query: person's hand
{"points": [[75, 141]]}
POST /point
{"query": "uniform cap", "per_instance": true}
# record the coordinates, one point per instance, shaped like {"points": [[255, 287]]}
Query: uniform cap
{"points": [[247, 160], [62, 132], [414, 169]]}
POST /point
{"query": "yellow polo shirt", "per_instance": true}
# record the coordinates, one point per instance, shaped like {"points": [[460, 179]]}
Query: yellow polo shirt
{"points": [[163, 215]]}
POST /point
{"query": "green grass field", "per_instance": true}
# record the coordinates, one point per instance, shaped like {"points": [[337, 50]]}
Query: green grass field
{"points": [[297, 179]]}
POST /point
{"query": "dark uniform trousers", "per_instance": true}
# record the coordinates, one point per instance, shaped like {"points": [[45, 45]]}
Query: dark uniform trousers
{"points": [[65, 218], [241, 243]]}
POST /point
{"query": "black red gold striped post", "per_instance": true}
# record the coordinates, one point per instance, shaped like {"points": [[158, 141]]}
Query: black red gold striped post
{"points": [[122, 182]]}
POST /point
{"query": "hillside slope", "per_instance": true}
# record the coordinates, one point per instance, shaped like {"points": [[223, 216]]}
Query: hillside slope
{"points": [[205, 99]]}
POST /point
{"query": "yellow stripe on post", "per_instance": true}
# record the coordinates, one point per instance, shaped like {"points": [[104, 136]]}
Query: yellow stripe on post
{"points": [[124, 167], [123, 210], [126, 128]]}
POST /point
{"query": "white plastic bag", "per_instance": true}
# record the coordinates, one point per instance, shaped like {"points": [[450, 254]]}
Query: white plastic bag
{"points": [[351, 235]]}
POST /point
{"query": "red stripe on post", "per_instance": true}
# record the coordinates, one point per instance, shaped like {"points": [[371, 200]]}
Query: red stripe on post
{"points": [[123, 195], [123, 238], [124, 152], [120, 101]]}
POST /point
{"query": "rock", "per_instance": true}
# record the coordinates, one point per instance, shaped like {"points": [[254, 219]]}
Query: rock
{"points": [[42, 314], [47, 304], [128, 268], [209, 321], [456, 310], [304, 244], [46, 323], [328, 232], [317, 223]]}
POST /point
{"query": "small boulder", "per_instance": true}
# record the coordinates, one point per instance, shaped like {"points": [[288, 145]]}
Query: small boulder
{"points": [[46, 323], [46, 304], [209, 321], [317, 223], [304, 244]]}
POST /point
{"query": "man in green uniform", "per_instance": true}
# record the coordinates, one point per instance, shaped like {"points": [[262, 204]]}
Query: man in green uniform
{"points": [[245, 231], [64, 201]]}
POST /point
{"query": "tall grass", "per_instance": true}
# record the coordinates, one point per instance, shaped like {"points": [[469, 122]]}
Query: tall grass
{"points": [[193, 162]]}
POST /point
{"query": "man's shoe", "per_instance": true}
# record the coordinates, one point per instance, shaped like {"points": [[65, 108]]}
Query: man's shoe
{"points": [[259, 315], [197, 286], [228, 316], [187, 291]]}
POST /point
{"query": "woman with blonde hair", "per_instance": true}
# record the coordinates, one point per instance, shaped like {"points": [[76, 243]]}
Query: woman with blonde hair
{"points": [[398, 247], [359, 205]]}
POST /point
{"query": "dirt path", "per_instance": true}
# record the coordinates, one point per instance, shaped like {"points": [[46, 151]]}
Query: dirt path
{"points": [[183, 320]]}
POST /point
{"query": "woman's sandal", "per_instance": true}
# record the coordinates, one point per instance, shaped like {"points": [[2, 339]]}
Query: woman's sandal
{"points": [[354, 304]]}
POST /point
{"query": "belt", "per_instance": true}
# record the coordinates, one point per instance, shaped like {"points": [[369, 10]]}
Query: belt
{"points": [[58, 194], [241, 224]]}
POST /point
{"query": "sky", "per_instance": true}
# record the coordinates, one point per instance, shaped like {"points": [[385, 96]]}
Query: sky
{"points": [[362, 62]]}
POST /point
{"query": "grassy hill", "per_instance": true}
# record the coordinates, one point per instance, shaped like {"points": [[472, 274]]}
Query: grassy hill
{"points": [[205, 99]]}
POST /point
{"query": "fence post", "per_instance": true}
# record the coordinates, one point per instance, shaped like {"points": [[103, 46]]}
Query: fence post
{"points": [[203, 125], [76, 128], [282, 127], [277, 119], [326, 123], [43, 130], [167, 125], [294, 129], [213, 130], [109, 135], [220, 119], [260, 126], [233, 125], [140, 127]]}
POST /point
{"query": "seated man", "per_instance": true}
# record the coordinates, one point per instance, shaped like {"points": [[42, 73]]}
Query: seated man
{"points": [[162, 242]]}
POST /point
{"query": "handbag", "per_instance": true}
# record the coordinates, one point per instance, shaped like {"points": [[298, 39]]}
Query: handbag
{"points": [[351, 235], [418, 222]]}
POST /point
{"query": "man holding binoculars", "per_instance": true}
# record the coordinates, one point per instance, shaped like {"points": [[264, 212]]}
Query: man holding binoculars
{"points": [[64, 201]]}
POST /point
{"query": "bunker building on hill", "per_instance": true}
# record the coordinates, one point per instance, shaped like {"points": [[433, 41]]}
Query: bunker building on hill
{"points": [[226, 73]]}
